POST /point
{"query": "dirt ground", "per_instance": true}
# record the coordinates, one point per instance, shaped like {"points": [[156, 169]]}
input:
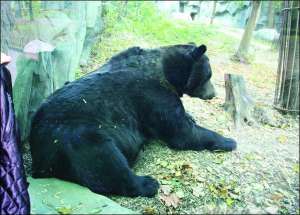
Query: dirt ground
{"points": [[261, 176]]}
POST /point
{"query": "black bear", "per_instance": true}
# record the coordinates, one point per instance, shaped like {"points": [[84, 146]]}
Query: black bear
{"points": [[169, 63], [91, 130]]}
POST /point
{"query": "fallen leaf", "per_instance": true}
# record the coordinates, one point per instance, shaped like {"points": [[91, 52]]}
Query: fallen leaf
{"points": [[180, 194], [163, 181], [96, 211], [170, 200], [170, 166], [272, 210], [296, 168], [209, 169], [186, 166], [234, 196], [220, 132], [166, 189], [163, 163], [198, 191], [149, 210], [177, 173], [229, 201], [284, 125], [218, 160], [223, 192], [250, 156], [282, 139], [276, 197], [176, 183], [212, 188], [64, 210], [200, 179]]}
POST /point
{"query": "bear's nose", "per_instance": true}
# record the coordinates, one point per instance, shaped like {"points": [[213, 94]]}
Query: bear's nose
{"points": [[210, 96]]}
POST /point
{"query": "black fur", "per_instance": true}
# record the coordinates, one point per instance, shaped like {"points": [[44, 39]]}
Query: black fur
{"points": [[175, 63], [91, 130]]}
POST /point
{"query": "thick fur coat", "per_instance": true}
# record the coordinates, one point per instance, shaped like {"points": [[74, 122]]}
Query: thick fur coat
{"points": [[91, 131]]}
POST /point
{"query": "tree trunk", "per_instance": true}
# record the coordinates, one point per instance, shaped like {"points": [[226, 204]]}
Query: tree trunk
{"points": [[241, 54], [289, 63], [7, 23], [237, 102], [271, 14], [242, 107], [123, 11], [181, 6], [18, 9], [30, 10], [125, 8], [213, 12], [200, 2]]}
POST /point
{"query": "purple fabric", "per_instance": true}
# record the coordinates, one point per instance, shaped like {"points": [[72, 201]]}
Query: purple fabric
{"points": [[14, 198]]}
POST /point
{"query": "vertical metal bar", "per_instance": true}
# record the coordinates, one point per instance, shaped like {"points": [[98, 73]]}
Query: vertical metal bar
{"points": [[294, 56], [280, 59], [297, 97], [30, 10], [297, 39], [284, 48], [287, 46]]}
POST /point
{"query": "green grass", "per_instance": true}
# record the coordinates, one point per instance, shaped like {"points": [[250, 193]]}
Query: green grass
{"points": [[142, 24], [144, 20]]}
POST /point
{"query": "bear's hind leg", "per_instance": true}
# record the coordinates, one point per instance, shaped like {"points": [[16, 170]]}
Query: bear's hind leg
{"points": [[100, 165]]}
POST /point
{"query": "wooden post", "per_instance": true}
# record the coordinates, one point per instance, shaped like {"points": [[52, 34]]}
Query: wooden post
{"points": [[242, 107], [237, 102]]}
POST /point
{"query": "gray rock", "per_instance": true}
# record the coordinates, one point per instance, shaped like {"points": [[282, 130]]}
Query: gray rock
{"points": [[53, 196], [267, 34]]}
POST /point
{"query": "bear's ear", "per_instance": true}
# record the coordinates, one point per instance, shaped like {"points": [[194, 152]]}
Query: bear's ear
{"points": [[198, 52]]}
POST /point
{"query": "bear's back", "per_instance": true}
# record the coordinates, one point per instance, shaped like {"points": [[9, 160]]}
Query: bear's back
{"points": [[94, 95]]}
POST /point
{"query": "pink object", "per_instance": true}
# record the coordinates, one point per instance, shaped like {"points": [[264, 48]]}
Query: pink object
{"points": [[34, 47], [5, 58]]}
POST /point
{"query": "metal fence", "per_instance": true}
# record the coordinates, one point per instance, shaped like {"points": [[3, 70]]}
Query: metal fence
{"points": [[287, 84]]}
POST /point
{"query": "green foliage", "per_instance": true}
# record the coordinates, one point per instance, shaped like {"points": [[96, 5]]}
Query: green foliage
{"points": [[138, 23], [240, 4], [145, 20], [278, 5], [227, 191], [36, 7]]}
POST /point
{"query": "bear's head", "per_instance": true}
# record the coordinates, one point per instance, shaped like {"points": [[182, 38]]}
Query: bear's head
{"points": [[188, 69], [198, 83]]}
